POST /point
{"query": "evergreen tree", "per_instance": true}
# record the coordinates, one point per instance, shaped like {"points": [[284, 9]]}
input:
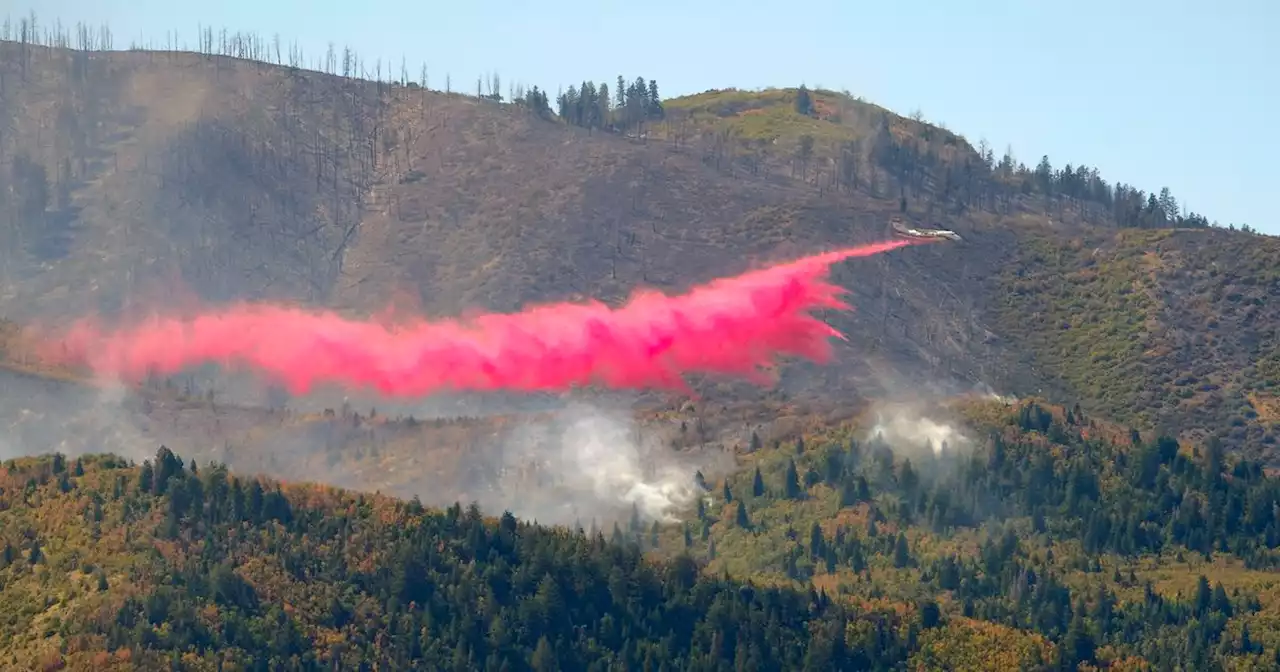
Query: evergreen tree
{"points": [[791, 481], [930, 614], [544, 658], [848, 493], [1078, 645], [817, 544], [146, 477], [863, 489], [901, 552], [803, 102]]}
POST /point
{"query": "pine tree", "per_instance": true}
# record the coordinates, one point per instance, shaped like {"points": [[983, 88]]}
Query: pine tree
{"points": [[848, 494], [1204, 595], [791, 481], [817, 545], [864, 490], [930, 614], [1213, 461], [804, 102], [907, 478], [544, 658], [656, 110], [742, 519], [1078, 646], [901, 552], [146, 477]]}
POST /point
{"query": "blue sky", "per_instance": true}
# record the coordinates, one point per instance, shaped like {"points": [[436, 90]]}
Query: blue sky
{"points": [[1171, 93]]}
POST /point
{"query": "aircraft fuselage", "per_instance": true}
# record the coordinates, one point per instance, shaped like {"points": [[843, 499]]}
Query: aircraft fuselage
{"points": [[905, 231]]}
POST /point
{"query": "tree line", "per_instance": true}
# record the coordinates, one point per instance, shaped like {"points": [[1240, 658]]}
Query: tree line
{"points": [[1040, 481], [630, 106], [392, 582], [933, 164], [353, 581]]}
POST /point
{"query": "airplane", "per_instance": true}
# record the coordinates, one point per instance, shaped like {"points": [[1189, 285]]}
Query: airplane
{"points": [[900, 228]]}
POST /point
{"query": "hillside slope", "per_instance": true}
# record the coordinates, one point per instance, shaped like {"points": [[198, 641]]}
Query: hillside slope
{"points": [[1035, 526], [1057, 542], [106, 567], [1178, 330], [146, 177], [575, 462]]}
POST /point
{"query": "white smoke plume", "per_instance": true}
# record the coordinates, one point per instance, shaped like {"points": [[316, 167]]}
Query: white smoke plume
{"points": [[909, 431], [987, 392], [582, 464]]}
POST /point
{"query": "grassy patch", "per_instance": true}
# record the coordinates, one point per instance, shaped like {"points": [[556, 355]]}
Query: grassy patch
{"points": [[1164, 330], [1085, 316]]}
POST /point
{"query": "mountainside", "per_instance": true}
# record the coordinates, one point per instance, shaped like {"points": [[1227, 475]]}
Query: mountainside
{"points": [[136, 179], [1036, 532], [106, 567], [1178, 330], [860, 516], [1056, 542]]}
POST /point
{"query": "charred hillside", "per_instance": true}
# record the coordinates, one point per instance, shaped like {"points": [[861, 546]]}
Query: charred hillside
{"points": [[132, 177]]}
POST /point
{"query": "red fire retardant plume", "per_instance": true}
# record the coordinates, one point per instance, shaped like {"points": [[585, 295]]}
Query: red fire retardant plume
{"points": [[734, 326]]}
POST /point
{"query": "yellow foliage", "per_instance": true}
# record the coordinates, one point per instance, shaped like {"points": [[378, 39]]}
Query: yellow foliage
{"points": [[968, 645]]}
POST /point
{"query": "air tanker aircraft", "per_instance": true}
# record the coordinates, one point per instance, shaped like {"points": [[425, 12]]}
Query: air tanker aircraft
{"points": [[900, 228]]}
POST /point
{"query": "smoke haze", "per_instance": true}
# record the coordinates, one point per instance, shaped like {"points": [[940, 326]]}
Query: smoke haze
{"points": [[585, 463], [910, 431]]}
